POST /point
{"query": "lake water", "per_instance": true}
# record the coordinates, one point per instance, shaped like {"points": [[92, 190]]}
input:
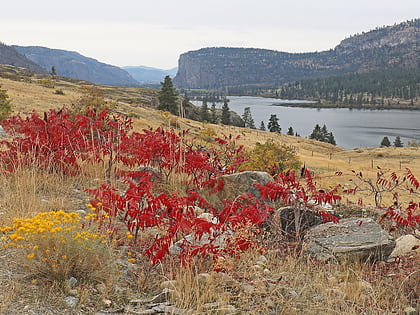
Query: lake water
{"points": [[356, 128]]}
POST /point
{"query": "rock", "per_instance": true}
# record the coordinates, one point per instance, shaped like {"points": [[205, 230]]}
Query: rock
{"points": [[404, 245], [235, 185], [354, 239], [287, 220], [262, 260], [71, 301], [72, 282]]}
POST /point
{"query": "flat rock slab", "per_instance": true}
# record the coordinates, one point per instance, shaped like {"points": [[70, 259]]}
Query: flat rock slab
{"points": [[354, 239]]}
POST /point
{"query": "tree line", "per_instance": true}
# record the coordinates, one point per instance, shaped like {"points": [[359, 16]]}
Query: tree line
{"points": [[378, 88]]}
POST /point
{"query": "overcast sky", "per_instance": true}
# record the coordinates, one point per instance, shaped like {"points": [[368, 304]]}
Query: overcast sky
{"points": [[154, 33]]}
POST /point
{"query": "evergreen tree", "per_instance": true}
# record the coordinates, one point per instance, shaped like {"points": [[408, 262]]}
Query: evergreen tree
{"points": [[330, 138], [204, 112], [213, 115], [290, 131], [398, 143], [316, 133], [385, 142], [247, 118], [53, 71], [262, 126], [168, 96], [273, 124], [225, 113]]}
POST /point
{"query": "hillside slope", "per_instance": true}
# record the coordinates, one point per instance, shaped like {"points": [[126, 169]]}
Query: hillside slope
{"points": [[384, 48], [10, 56], [74, 65]]}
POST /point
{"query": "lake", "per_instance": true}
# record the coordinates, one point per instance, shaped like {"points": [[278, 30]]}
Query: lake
{"points": [[352, 128]]}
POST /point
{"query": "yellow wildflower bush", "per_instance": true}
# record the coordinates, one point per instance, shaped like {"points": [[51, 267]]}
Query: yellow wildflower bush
{"points": [[58, 245]]}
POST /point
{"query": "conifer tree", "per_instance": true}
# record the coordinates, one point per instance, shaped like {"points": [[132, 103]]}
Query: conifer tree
{"points": [[262, 126], [385, 142], [213, 115], [204, 112], [225, 113], [398, 143], [247, 118], [273, 124], [290, 131], [168, 96]]}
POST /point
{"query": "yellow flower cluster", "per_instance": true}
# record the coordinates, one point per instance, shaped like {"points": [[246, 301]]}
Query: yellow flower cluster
{"points": [[52, 229]]}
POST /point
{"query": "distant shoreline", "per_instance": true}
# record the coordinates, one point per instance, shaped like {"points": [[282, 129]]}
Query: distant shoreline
{"points": [[366, 106]]}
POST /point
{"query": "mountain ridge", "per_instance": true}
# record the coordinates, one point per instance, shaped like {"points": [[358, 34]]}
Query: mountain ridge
{"points": [[74, 65], [10, 56], [223, 67]]}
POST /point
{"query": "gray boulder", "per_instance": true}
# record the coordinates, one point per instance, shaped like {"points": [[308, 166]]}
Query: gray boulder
{"points": [[235, 185], [354, 239]]}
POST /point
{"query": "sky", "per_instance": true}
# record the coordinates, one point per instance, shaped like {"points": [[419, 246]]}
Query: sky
{"points": [[155, 33]]}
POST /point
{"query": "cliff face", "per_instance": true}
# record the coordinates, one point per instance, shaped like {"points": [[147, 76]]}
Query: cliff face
{"points": [[10, 56], [380, 49], [73, 65]]}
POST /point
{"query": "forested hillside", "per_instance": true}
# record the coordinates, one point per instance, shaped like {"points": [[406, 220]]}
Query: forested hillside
{"points": [[376, 88]]}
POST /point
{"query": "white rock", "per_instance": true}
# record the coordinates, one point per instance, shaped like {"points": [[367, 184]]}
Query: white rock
{"points": [[404, 245]]}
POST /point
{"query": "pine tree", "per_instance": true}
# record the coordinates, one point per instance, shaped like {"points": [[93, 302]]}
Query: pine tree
{"points": [[273, 124], [385, 142], [330, 138], [226, 113], [398, 143], [213, 115], [262, 126], [316, 133], [204, 112], [290, 131], [168, 96], [247, 118]]}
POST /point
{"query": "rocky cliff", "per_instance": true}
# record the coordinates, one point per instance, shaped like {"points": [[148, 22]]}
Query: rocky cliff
{"points": [[10, 56], [383, 48], [73, 65]]}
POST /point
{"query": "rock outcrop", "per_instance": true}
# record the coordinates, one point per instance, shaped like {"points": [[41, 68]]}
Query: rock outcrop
{"points": [[222, 67], [354, 239]]}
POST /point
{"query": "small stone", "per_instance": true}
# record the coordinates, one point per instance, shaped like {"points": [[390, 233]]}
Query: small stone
{"points": [[107, 302], [410, 311], [168, 284], [72, 282], [262, 260], [71, 301], [293, 293], [266, 271]]}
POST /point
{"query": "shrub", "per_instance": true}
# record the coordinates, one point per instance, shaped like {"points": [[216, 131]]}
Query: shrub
{"points": [[59, 245], [272, 158]]}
